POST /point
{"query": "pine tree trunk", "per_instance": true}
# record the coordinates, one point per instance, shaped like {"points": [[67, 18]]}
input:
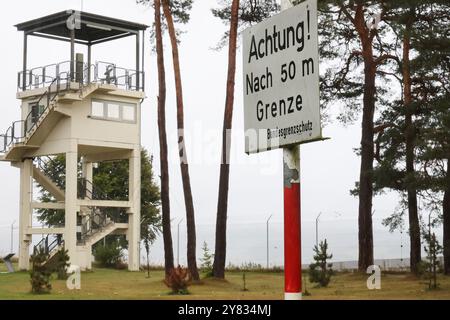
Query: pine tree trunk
{"points": [[365, 232], [222, 203], [446, 214], [365, 179], [189, 204], [165, 201], [413, 214]]}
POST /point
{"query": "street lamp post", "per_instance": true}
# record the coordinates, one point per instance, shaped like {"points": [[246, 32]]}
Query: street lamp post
{"points": [[401, 246], [12, 236], [429, 244], [317, 229], [178, 241], [267, 239]]}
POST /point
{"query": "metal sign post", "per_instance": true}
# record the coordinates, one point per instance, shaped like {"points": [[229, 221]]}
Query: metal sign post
{"points": [[281, 108], [292, 229]]}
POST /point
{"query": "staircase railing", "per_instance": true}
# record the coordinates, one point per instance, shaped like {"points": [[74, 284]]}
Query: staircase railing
{"points": [[94, 223], [43, 162], [46, 246], [42, 105], [19, 130], [99, 217]]}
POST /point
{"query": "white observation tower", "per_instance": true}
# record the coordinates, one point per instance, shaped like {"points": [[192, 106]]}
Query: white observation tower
{"points": [[89, 112]]}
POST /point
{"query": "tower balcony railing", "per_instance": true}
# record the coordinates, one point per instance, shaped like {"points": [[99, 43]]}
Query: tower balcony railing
{"points": [[57, 78], [83, 73]]}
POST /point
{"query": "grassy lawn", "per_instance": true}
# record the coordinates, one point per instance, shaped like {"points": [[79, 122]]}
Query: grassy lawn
{"points": [[115, 284]]}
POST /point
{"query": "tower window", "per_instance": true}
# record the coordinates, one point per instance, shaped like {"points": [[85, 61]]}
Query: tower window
{"points": [[129, 113], [98, 109], [113, 110]]}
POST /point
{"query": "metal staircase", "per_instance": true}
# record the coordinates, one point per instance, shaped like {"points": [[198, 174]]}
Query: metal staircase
{"points": [[21, 131], [96, 222], [95, 226]]}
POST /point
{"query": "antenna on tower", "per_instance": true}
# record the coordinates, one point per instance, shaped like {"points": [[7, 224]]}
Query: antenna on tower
{"points": [[81, 5]]}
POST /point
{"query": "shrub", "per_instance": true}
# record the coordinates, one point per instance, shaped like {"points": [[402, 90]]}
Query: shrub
{"points": [[109, 256], [40, 272], [121, 265], [178, 280]]}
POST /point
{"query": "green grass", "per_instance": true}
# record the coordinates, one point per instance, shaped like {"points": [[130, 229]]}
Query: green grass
{"points": [[114, 284]]}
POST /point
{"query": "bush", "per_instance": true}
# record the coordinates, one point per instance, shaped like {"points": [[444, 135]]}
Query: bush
{"points": [[121, 265], [109, 256], [40, 272], [178, 280]]}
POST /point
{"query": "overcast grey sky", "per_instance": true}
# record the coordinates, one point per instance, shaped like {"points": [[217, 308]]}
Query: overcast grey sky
{"points": [[329, 169]]}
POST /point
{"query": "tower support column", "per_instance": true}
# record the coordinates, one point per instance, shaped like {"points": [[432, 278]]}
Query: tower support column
{"points": [[26, 171], [70, 228], [134, 214]]}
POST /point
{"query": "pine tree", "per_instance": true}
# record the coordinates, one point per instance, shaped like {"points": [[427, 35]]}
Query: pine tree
{"points": [[407, 141], [184, 165], [174, 11], [164, 163], [237, 14], [433, 249], [355, 46], [207, 260], [40, 272], [320, 271], [347, 22], [62, 263]]}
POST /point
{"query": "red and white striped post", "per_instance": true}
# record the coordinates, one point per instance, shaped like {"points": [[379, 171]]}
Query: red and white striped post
{"points": [[292, 230]]}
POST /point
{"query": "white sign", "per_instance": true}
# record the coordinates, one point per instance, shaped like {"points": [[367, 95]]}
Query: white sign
{"points": [[281, 80]]}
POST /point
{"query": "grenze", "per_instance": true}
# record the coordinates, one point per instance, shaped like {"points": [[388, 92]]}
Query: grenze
{"points": [[279, 108]]}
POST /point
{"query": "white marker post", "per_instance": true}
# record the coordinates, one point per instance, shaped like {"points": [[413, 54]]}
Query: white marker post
{"points": [[281, 108]]}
